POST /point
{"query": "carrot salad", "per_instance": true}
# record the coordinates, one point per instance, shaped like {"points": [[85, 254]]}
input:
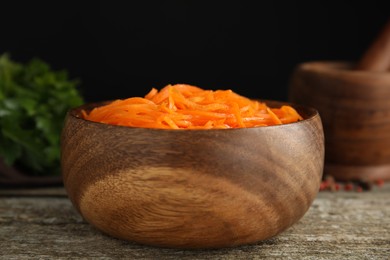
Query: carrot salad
{"points": [[183, 106]]}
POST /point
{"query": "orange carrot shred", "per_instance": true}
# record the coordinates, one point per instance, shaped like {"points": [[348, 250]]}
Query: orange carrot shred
{"points": [[184, 106]]}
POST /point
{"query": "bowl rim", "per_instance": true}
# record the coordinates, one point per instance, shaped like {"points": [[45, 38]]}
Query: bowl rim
{"points": [[310, 112]]}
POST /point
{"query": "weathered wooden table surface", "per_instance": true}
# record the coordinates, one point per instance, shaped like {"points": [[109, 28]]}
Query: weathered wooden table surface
{"points": [[42, 224]]}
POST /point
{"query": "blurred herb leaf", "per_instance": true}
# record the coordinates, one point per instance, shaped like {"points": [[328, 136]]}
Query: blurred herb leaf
{"points": [[34, 100]]}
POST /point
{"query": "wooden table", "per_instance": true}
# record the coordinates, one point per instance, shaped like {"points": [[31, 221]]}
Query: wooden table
{"points": [[42, 224]]}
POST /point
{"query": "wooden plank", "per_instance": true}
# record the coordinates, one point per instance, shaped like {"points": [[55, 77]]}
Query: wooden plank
{"points": [[339, 225]]}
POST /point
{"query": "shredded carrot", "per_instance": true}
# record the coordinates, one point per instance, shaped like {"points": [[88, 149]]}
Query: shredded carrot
{"points": [[183, 106]]}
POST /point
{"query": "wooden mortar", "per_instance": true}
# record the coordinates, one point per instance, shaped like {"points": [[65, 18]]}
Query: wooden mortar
{"points": [[353, 100]]}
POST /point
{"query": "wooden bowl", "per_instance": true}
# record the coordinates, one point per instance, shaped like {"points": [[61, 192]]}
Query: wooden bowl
{"points": [[192, 188], [13, 177], [355, 110]]}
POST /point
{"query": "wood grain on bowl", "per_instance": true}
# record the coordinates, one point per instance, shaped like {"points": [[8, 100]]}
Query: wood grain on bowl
{"points": [[192, 188]]}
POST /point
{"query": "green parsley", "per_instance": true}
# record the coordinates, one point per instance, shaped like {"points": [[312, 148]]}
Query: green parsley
{"points": [[34, 100]]}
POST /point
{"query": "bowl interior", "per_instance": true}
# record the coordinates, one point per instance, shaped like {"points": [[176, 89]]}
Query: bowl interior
{"points": [[306, 112]]}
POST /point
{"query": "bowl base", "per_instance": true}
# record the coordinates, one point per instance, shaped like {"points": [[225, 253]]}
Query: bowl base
{"points": [[361, 173]]}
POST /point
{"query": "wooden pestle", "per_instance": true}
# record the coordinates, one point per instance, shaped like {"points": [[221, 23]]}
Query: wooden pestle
{"points": [[377, 57]]}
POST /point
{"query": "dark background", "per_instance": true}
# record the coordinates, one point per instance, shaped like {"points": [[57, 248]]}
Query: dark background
{"points": [[120, 49]]}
